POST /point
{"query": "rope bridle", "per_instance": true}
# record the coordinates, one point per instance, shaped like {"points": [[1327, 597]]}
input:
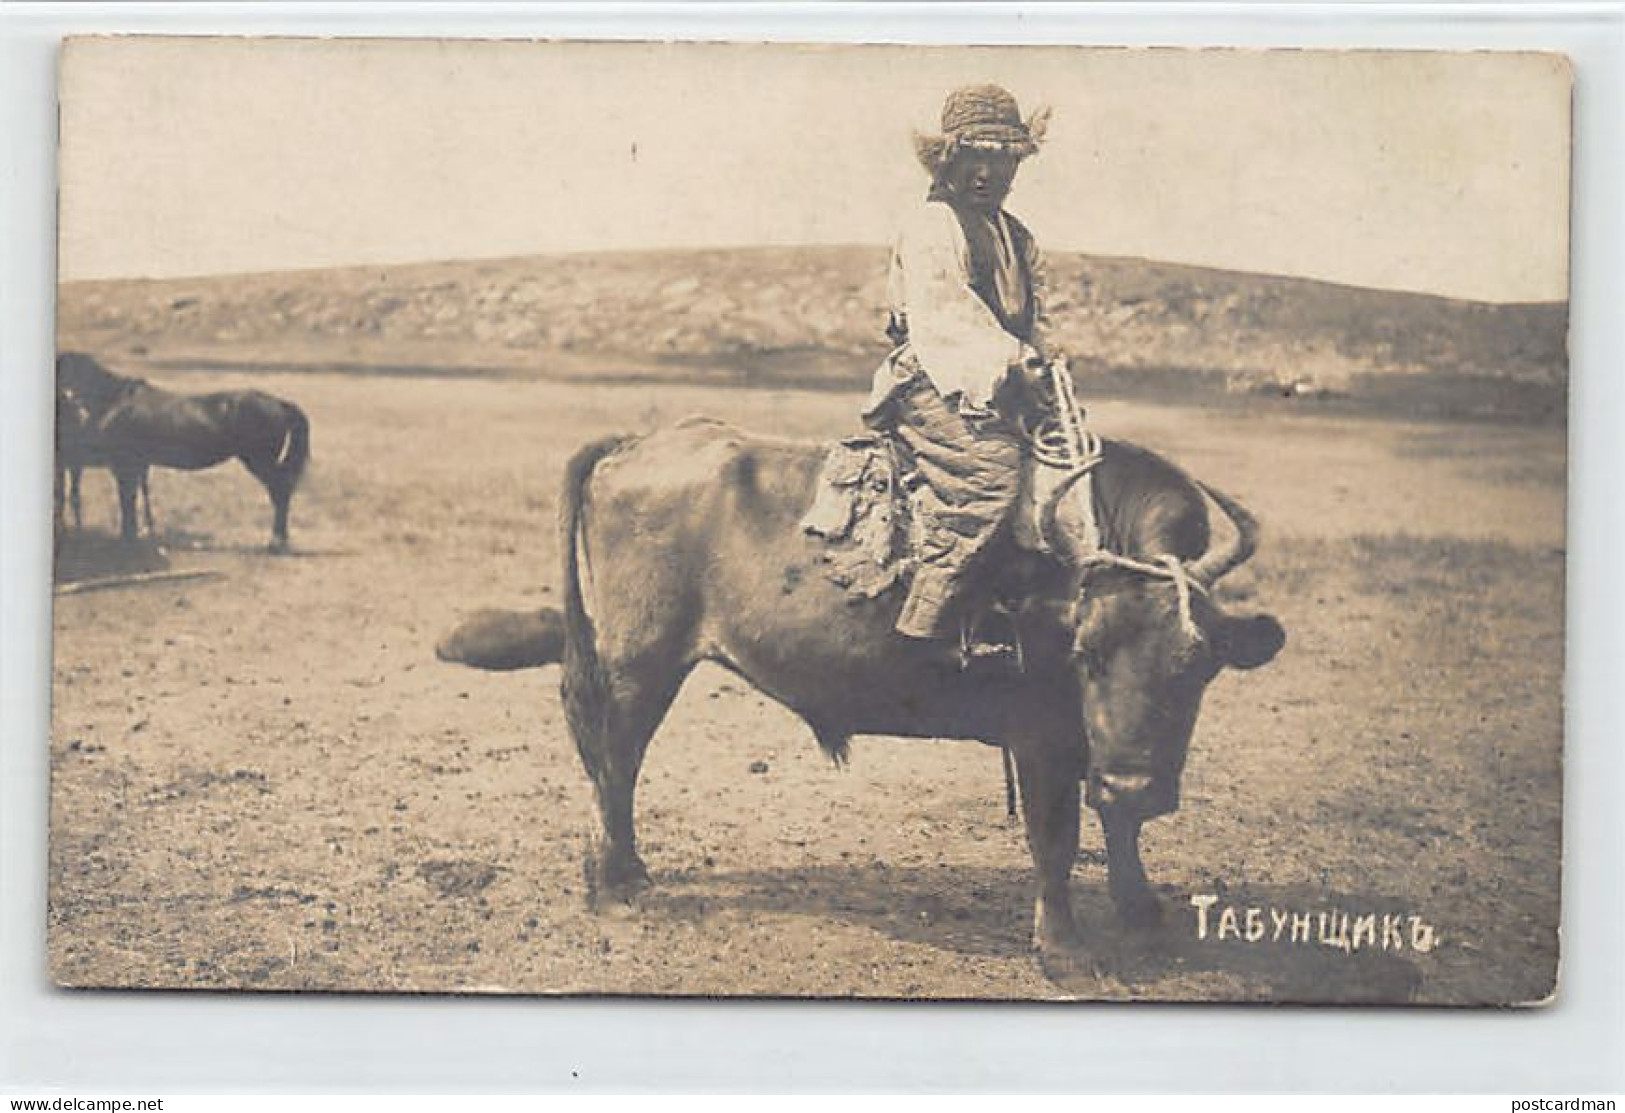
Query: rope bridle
{"points": [[1063, 441], [1166, 567]]}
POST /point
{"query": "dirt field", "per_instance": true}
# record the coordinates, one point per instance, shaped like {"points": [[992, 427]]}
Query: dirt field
{"points": [[264, 779]]}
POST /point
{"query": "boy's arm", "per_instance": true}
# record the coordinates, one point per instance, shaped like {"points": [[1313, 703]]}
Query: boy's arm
{"points": [[958, 340]]}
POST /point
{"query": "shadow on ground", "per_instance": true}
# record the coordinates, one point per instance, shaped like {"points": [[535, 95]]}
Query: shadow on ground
{"points": [[92, 555], [986, 913], [185, 541], [85, 557]]}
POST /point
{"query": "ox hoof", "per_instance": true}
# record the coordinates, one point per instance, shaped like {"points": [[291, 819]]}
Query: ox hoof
{"points": [[1057, 938], [1140, 909], [278, 546], [614, 878], [1068, 964]]}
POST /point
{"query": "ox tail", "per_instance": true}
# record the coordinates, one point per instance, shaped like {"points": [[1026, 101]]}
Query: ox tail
{"points": [[501, 641], [294, 451], [585, 686]]}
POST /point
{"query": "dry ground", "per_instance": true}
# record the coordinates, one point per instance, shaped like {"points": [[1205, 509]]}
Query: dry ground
{"points": [[266, 780]]}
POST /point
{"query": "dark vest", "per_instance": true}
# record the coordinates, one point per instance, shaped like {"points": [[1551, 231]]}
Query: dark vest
{"points": [[983, 249], [983, 244]]}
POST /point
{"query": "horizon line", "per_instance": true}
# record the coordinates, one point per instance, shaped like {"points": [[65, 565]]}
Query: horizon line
{"points": [[697, 249]]}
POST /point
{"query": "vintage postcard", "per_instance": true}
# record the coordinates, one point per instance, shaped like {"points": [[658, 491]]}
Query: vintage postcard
{"points": [[759, 520]]}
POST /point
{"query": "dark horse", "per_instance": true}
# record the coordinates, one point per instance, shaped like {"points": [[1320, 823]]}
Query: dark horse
{"points": [[76, 450], [129, 425], [686, 546]]}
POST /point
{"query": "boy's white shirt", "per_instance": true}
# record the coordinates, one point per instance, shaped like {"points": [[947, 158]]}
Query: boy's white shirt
{"points": [[959, 342]]}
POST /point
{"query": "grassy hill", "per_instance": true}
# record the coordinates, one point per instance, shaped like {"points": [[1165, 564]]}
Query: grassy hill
{"points": [[814, 316]]}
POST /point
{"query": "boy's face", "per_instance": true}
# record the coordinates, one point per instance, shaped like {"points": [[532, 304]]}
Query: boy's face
{"points": [[981, 180]]}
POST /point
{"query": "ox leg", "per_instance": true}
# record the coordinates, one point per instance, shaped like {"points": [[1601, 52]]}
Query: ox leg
{"points": [[1049, 803], [1137, 905], [612, 751], [58, 489]]}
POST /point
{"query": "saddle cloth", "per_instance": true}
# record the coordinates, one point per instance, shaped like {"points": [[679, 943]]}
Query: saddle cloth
{"points": [[864, 508]]}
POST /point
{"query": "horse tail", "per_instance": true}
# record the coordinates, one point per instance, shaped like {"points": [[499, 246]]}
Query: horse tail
{"points": [[294, 450], [585, 686]]}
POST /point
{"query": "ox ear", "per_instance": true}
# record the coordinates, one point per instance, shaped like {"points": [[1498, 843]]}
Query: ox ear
{"points": [[1247, 643]]}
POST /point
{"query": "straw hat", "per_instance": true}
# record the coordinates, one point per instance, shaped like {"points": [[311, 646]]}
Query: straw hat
{"points": [[981, 117]]}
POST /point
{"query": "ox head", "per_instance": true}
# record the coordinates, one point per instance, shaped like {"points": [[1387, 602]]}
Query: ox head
{"points": [[1149, 638]]}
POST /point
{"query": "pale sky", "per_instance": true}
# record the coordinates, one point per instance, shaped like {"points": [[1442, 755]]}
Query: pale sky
{"points": [[1444, 173]]}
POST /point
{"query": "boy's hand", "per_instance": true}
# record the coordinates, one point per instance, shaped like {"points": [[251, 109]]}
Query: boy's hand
{"points": [[1032, 373]]}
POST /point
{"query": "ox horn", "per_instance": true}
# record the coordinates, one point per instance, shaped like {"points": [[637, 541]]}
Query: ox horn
{"points": [[1061, 541], [1222, 558]]}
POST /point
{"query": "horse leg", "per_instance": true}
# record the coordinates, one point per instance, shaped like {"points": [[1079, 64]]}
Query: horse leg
{"points": [[57, 494], [281, 495], [612, 745], [279, 486], [1048, 777], [146, 503], [1137, 905], [75, 474], [129, 482]]}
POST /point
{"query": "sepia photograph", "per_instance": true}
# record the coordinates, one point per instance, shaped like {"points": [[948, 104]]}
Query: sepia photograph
{"points": [[744, 520]]}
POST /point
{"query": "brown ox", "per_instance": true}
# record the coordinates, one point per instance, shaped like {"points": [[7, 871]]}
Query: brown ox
{"points": [[686, 546]]}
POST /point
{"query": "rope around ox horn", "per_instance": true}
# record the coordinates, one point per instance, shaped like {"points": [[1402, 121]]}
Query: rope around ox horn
{"points": [[1089, 457], [1065, 442], [1166, 567]]}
